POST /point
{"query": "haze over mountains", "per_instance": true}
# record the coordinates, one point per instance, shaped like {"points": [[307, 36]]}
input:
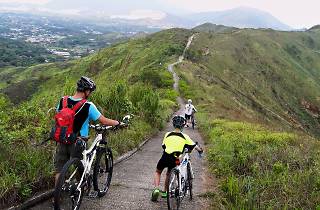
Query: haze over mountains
{"points": [[241, 17], [154, 13]]}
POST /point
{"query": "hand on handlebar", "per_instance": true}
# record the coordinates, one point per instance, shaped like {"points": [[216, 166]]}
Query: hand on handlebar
{"points": [[125, 122], [127, 118], [199, 149], [121, 125], [200, 154]]}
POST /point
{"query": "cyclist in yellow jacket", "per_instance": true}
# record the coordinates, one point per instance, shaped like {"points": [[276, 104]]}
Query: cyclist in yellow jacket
{"points": [[173, 145]]}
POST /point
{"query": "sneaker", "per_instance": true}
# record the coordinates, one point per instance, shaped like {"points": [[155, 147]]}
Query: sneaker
{"points": [[164, 194], [155, 194]]}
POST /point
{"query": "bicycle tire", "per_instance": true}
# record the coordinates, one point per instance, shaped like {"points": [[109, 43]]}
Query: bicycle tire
{"points": [[173, 187], [193, 122], [74, 169], [189, 181], [103, 167]]}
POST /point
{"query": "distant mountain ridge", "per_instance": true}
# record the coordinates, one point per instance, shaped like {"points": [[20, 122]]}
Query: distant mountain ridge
{"points": [[210, 27], [155, 14], [314, 28], [241, 17]]}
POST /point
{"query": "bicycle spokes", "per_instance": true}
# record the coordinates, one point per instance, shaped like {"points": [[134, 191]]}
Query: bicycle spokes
{"points": [[103, 172], [173, 191], [69, 190]]}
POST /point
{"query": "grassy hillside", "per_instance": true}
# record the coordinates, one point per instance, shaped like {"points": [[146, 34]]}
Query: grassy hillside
{"points": [[263, 76], [213, 28], [258, 96], [131, 78]]}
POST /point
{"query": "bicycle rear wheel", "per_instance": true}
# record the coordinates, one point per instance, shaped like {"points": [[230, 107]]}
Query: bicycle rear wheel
{"points": [[193, 123], [66, 194], [173, 197], [189, 180], [102, 171]]}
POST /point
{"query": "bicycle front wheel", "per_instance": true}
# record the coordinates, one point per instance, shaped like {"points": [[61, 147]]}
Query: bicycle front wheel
{"points": [[189, 180], [68, 193], [173, 197], [102, 171]]}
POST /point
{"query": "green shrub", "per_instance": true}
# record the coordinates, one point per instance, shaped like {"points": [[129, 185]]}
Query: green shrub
{"points": [[185, 89], [194, 55], [293, 50], [150, 105], [156, 78], [115, 101], [174, 49], [146, 102], [169, 94]]}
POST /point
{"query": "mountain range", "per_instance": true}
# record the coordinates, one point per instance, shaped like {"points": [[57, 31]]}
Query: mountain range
{"points": [[241, 17], [156, 14]]}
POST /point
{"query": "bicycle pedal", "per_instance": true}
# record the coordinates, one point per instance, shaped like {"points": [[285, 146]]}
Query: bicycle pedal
{"points": [[93, 194]]}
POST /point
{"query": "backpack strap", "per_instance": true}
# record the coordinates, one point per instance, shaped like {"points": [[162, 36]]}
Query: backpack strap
{"points": [[65, 101], [79, 104]]}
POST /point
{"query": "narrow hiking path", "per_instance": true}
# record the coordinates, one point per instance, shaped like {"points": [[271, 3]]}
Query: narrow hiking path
{"points": [[132, 180]]}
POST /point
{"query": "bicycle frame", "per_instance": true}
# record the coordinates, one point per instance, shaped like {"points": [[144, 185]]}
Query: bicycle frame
{"points": [[88, 158], [182, 169], [82, 177]]}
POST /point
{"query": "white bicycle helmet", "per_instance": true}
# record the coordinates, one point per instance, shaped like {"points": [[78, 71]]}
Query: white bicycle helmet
{"points": [[189, 101]]}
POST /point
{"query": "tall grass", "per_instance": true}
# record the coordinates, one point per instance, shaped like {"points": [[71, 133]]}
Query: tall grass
{"points": [[262, 169]]}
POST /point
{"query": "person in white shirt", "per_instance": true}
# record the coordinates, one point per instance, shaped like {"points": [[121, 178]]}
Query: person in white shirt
{"points": [[189, 111]]}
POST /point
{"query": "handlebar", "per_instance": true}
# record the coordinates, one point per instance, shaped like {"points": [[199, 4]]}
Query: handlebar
{"points": [[200, 153], [99, 127], [123, 124]]}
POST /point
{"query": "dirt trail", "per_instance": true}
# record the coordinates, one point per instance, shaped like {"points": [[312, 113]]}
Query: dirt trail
{"points": [[132, 181]]}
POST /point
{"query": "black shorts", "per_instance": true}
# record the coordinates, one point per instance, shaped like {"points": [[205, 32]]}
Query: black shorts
{"points": [[166, 161], [66, 151], [188, 117], [63, 153]]}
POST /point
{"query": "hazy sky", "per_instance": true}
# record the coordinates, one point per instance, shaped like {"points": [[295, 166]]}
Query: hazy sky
{"points": [[296, 13], [26, 1]]}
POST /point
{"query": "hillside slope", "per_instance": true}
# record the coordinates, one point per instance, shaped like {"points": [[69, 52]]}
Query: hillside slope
{"points": [[131, 78], [257, 93], [264, 76]]}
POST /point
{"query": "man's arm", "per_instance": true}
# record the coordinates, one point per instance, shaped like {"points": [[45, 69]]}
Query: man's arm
{"points": [[192, 144], [106, 121], [94, 115], [199, 149]]}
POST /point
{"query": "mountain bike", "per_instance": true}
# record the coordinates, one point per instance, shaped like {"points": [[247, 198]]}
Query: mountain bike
{"points": [[77, 178], [180, 182]]}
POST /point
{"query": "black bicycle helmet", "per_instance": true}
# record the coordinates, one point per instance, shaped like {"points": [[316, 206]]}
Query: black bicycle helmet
{"points": [[85, 83], [178, 122]]}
